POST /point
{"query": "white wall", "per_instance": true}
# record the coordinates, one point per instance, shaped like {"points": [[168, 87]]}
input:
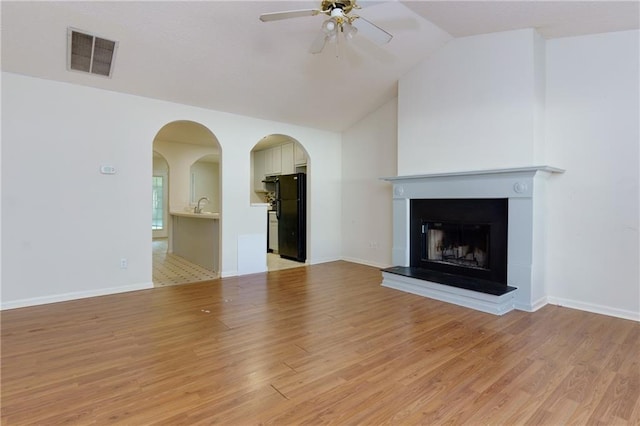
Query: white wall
{"points": [[472, 105], [181, 157], [206, 181], [369, 152], [63, 133], [593, 131], [510, 99]]}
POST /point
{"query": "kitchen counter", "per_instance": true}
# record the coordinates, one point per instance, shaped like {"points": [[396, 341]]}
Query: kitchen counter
{"points": [[203, 215], [196, 238]]}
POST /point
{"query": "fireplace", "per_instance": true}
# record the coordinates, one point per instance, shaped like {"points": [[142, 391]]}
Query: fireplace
{"points": [[473, 238], [461, 238]]}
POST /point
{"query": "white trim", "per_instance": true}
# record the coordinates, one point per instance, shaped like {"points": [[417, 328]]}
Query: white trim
{"points": [[323, 260], [22, 303], [548, 169], [531, 307], [365, 262], [596, 309], [227, 274]]}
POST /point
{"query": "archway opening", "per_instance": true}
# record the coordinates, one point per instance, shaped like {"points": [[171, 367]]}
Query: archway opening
{"points": [[280, 167], [187, 161]]}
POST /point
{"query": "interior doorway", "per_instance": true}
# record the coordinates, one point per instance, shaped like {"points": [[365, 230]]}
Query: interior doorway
{"points": [[280, 168], [187, 202]]}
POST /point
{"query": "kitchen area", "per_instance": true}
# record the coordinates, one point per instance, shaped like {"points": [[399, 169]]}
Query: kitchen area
{"points": [[279, 167], [186, 204]]}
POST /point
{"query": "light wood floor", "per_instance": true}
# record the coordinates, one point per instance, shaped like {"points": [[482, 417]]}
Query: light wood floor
{"points": [[321, 344]]}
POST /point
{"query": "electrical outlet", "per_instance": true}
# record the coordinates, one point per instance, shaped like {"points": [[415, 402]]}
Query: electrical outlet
{"points": [[124, 263]]}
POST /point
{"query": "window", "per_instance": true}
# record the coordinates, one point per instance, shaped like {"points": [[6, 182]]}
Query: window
{"points": [[157, 221]]}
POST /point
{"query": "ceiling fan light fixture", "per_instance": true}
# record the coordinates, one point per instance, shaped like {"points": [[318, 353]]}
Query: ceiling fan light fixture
{"points": [[349, 31], [337, 13], [339, 24], [329, 26]]}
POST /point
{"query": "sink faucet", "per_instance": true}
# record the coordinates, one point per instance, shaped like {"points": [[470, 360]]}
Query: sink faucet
{"points": [[198, 209]]}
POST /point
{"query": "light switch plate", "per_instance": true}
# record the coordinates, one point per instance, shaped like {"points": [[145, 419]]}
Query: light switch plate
{"points": [[107, 170]]}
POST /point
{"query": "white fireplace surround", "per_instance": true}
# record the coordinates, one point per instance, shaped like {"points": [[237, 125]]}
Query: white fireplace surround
{"points": [[524, 187]]}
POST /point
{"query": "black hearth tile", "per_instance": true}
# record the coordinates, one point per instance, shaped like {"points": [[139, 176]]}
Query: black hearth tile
{"points": [[473, 284]]}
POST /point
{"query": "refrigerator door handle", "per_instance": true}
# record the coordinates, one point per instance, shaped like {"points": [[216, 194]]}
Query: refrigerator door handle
{"points": [[278, 199]]}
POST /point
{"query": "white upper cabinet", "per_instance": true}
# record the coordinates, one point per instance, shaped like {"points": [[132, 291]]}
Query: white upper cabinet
{"points": [[273, 161], [300, 157], [277, 160], [259, 170], [287, 159]]}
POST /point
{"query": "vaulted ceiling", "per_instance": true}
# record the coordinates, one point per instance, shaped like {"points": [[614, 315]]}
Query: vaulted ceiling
{"points": [[219, 55]]}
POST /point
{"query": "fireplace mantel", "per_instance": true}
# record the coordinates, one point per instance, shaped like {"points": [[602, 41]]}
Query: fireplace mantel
{"points": [[524, 187], [526, 170]]}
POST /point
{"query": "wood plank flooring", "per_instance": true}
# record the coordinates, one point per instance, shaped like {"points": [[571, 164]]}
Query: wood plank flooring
{"points": [[315, 345]]}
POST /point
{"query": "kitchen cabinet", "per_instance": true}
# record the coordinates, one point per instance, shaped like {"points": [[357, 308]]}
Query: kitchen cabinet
{"points": [[259, 170], [287, 158], [299, 156], [277, 160], [273, 161]]}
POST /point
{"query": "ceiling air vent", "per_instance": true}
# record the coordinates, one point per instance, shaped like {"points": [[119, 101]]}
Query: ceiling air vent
{"points": [[89, 53]]}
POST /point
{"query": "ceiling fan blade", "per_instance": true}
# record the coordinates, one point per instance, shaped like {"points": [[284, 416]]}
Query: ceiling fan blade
{"points": [[318, 43], [372, 31], [276, 16]]}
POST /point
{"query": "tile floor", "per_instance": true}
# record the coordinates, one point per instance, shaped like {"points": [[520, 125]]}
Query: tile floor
{"points": [[275, 263], [169, 269]]}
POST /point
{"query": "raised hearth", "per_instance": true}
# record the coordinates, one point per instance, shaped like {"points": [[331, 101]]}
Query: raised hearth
{"points": [[454, 280], [522, 287]]}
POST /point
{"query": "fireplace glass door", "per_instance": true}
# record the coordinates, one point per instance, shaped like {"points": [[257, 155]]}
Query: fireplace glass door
{"points": [[457, 244]]}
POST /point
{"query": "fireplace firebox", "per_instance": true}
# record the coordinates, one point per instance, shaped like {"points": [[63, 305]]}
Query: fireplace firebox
{"points": [[460, 242]]}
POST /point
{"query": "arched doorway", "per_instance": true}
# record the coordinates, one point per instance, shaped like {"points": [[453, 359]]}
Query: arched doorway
{"points": [[189, 249], [278, 160]]}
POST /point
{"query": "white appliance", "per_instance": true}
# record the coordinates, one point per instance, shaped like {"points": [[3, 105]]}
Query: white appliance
{"points": [[273, 232]]}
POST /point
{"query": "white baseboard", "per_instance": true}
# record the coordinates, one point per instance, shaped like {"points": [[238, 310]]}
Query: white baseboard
{"points": [[596, 309], [22, 303], [531, 307], [227, 274], [365, 262], [317, 261]]}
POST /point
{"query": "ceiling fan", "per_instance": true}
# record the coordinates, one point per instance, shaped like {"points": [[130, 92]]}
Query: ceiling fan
{"points": [[340, 23]]}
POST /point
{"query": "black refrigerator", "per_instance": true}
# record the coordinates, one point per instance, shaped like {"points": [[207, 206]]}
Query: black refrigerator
{"points": [[291, 203]]}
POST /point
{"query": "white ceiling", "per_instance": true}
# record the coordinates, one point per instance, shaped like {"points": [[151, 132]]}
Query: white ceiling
{"points": [[219, 55]]}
